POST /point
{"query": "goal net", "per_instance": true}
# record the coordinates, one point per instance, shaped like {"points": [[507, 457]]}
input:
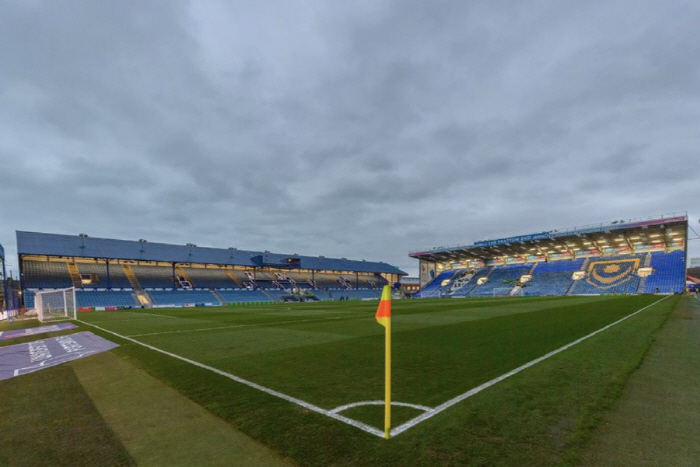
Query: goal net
{"points": [[55, 305]]}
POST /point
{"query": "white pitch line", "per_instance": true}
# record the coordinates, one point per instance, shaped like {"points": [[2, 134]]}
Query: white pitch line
{"points": [[423, 417], [272, 392], [134, 316], [345, 407], [236, 326]]}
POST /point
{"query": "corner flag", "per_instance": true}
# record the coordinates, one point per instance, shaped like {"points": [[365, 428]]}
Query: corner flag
{"points": [[383, 317], [384, 310]]}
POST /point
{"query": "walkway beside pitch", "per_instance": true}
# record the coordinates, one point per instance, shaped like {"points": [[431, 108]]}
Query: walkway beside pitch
{"points": [[159, 426], [657, 419]]}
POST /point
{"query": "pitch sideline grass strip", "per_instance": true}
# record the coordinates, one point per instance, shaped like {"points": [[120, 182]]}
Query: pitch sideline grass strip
{"points": [[333, 413], [421, 418], [272, 392], [47, 418], [657, 419], [157, 425]]}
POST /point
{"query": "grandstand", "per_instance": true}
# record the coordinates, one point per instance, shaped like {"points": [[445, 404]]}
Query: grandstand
{"points": [[110, 274], [621, 257]]}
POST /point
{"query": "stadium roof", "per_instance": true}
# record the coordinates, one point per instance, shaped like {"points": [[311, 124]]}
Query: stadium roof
{"points": [[599, 239], [83, 246]]}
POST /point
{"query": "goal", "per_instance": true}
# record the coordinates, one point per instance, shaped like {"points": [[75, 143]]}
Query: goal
{"points": [[55, 305]]}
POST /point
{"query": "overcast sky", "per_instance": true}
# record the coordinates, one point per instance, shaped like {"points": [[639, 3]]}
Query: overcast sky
{"points": [[358, 129]]}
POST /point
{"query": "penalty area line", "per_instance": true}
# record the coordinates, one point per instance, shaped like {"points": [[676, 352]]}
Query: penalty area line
{"points": [[272, 392], [423, 417]]}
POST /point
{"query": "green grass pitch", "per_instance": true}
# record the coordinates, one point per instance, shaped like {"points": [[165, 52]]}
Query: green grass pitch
{"points": [[329, 355]]}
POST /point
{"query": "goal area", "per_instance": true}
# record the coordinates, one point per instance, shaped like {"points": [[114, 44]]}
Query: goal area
{"points": [[55, 305]]}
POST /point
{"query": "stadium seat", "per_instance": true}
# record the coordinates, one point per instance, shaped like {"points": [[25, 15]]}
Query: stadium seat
{"points": [[46, 275], [439, 285], [500, 277], [182, 297], [105, 298], [552, 278], [154, 276], [610, 275], [210, 278], [115, 279], [668, 273], [244, 296]]}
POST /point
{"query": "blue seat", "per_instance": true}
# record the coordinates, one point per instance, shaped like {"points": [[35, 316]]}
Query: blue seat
{"points": [[668, 274]]}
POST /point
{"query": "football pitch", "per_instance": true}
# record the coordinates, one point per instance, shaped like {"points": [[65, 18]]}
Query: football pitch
{"points": [[475, 381]]}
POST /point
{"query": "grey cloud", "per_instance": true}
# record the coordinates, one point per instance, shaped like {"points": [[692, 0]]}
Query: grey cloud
{"points": [[362, 131]]}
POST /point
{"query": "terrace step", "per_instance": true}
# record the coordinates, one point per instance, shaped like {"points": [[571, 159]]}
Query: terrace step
{"points": [[143, 299], [218, 296], [132, 278], [74, 275], [230, 274], [181, 273]]}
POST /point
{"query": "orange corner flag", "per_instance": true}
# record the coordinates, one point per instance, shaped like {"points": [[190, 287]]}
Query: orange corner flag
{"points": [[384, 310], [383, 317]]}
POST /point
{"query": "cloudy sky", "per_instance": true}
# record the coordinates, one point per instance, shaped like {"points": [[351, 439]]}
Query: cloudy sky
{"points": [[358, 129]]}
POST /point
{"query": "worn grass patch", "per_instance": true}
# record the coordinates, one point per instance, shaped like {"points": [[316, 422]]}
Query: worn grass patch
{"points": [[48, 419], [657, 420], [158, 426]]}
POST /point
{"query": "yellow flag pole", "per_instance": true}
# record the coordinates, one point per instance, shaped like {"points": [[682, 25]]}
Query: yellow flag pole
{"points": [[383, 317], [387, 380]]}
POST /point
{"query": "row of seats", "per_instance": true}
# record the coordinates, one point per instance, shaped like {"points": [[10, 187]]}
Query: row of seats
{"points": [[610, 275], [500, 278], [56, 274], [105, 298], [440, 285], [602, 275], [46, 275], [183, 297], [553, 278], [670, 276], [111, 277]]}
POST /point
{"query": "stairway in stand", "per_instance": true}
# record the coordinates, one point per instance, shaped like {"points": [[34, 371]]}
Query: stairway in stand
{"points": [[643, 280], [218, 296], [132, 278], [230, 274], [268, 295], [573, 285], [75, 275], [143, 299]]}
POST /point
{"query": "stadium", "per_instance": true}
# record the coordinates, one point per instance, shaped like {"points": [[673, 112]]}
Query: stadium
{"points": [[621, 257], [511, 352]]}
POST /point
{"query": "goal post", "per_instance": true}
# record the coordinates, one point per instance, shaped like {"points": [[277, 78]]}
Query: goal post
{"points": [[56, 305]]}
